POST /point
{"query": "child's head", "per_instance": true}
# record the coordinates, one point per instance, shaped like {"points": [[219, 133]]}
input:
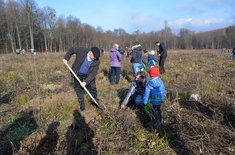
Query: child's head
{"points": [[152, 52], [140, 77], [154, 72]]}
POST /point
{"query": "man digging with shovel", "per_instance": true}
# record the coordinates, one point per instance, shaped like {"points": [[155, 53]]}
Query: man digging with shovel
{"points": [[84, 70]]}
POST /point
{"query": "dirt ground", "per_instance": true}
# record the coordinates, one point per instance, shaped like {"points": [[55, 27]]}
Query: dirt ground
{"points": [[39, 109]]}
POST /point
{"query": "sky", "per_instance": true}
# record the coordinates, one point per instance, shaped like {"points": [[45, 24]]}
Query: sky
{"points": [[148, 15]]}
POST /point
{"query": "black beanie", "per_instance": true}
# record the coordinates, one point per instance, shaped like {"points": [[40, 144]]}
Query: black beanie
{"points": [[96, 52]]}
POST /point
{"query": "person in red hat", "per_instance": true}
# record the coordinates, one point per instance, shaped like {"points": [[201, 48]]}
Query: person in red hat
{"points": [[155, 92]]}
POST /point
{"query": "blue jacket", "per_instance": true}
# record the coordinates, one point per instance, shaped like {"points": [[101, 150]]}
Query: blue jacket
{"points": [[152, 60], [154, 91]]}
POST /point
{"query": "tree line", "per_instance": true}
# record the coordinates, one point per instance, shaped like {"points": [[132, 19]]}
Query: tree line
{"points": [[24, 26]]}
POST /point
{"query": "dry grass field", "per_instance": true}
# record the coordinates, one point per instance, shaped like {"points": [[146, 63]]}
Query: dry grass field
{"points": [[38, 108]]}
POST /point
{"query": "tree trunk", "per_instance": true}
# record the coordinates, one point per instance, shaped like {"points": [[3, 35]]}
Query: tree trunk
{"points": [[18, 35]]}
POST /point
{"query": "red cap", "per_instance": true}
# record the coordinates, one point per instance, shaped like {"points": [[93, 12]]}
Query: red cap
{"points": [[154, 72]]}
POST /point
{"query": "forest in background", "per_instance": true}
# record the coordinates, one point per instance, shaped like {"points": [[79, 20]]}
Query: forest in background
{"points": [[24, 26]]}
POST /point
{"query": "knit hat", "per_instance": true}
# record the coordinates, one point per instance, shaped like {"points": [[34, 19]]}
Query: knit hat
{"points": [[154, 72], [96, 52], [152, 52]]}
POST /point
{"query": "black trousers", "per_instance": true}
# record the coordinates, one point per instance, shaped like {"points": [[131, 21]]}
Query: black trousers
{"points": [[81, 92], [157, 108], [162, 62], [115, 75]]}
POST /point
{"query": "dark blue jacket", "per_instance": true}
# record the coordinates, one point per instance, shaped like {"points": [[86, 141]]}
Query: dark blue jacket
{"points": [[136, 55]]}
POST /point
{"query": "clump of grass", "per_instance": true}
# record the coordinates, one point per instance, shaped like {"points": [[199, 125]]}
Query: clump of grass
{"points": [[107, 126], [107, 153], [209, 86], [11, 75], [1, 78], [18, 133], [10, 120], [148, 143], [60, 112], [22, 100], [183, 96]]}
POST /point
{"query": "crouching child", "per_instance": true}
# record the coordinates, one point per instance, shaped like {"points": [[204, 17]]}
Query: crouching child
{"points": [[152, 60]]}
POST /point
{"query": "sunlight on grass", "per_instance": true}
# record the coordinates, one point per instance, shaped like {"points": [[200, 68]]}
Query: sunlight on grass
{"points": [[148, 143]]}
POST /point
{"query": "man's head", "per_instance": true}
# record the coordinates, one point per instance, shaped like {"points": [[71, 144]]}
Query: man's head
{"points": [[154, 72], [157, 43], [141, 76], [95, 53]]}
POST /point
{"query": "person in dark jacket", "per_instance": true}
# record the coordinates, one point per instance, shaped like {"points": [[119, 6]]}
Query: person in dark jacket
{"points": [[136, 89], [86, 66], [136, 58], [162, 54], [115, 64]]}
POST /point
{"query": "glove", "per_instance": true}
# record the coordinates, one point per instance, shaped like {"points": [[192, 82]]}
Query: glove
{"points": [[147, 107]]}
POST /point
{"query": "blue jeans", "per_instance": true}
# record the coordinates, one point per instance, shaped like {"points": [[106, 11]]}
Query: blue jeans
{"points": [[233, 57], [136, 68], [139, 100]]}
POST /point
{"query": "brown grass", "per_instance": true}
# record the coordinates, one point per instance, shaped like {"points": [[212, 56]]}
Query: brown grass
{"points": [[42, 84]]}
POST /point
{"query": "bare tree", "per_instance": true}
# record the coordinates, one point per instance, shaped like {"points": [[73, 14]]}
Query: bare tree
{"points": [[60, 26], [14, 21], [30, 11]]}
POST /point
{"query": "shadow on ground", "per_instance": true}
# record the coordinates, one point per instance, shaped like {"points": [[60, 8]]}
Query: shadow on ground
{"points": [[79, 137], [47, 145], [21, 128]]}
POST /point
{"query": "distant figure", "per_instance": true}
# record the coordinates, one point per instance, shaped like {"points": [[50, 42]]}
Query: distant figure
{"points": [[46, 51], [17, 51], [23, 51], [163, 55], [127, 51], [33, 51], [233, 54], [152, 60], [121, 50], [115, 64], [223, 50]]}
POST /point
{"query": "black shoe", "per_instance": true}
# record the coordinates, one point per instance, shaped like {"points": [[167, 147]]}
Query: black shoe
{"points": [[82, 109]]}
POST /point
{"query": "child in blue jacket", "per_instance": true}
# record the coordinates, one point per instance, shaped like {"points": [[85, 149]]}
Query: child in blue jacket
{"points": [[152, 60], [155, 92]]}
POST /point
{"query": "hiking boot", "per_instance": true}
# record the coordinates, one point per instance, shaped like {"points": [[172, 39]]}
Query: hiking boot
{"points": [[82, 109]]}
